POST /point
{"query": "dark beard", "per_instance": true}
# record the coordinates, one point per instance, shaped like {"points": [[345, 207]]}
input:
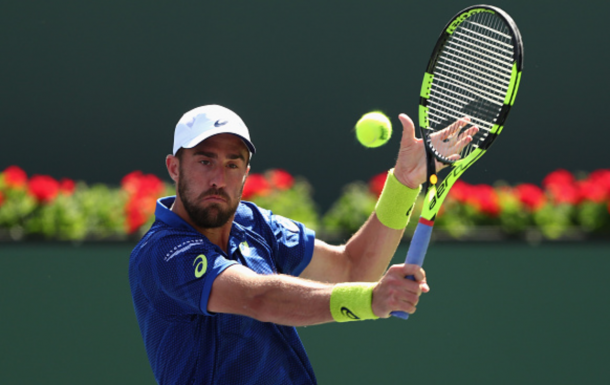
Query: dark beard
{"points": [[210, 217]]}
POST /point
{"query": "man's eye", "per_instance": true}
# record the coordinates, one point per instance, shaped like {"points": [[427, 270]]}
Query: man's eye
{"points": [[205, 162]]}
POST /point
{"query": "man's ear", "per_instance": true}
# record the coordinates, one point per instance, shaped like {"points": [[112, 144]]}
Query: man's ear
{"points": [[173, 167], [247, 173]]}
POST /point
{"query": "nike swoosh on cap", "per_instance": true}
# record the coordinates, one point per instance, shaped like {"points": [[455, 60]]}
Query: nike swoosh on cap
{"points": [[219, 123]]}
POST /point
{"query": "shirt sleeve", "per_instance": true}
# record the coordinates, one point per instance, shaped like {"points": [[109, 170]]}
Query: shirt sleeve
{"points": [[294, 246], [185, 277]]}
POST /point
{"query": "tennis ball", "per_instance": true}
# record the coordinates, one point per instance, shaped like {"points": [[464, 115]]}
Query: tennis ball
{"points": [[373, 129]]}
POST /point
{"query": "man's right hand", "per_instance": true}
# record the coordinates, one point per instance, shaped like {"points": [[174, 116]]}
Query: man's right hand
{"points": [[395, 292]]}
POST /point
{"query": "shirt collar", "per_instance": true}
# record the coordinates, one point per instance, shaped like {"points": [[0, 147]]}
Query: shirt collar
{"points": [[164, 213]]}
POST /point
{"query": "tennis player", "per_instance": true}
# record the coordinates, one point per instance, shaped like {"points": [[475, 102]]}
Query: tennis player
{"points": [[219, 284]]}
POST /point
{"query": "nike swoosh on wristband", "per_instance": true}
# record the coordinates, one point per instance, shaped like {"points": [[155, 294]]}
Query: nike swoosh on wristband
{"points": [[348, 313]]}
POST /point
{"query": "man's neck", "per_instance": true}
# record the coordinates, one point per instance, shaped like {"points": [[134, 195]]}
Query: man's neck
{"points": [[218, 236]]}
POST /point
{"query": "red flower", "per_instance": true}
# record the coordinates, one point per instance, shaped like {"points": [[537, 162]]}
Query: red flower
{"points": [[566, 193], [559, 177], [44, 188], [461, 191], [596, 187], [138, 210], [131, 182], [562, 187], [591, 191], [280, 179], [377, 182], [256, 184], [15, 177], [143, 191], [151, 185], [137, 183], [67, 186], [531, 196], [484, 198], [602, 177]]}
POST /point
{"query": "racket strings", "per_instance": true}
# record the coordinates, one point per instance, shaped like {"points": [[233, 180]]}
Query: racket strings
{"points": [[471, 77], [482, 76]]}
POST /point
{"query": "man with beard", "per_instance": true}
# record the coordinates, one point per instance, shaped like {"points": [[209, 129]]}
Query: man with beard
{"points": [[219, 284]]}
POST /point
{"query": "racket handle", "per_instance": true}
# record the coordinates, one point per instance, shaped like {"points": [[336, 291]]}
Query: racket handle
{"points": [[417, 252]]}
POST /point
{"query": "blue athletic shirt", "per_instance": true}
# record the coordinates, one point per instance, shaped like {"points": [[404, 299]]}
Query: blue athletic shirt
{"points": [[171, 272]]}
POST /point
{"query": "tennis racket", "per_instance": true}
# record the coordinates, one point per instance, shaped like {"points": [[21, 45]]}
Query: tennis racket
{"points": [[468, 90]]}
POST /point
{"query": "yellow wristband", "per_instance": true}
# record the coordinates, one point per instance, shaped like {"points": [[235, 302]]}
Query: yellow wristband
{"points": [[352, 302], [395, 204]]}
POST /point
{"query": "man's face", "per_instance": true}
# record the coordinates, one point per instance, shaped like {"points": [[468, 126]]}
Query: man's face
{"points": [[211, 179]]}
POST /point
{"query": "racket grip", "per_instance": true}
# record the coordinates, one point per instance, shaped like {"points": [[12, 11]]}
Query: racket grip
{"points": [[417, 252]]}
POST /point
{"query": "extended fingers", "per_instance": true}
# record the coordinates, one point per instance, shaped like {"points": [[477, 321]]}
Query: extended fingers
{"points": [[455, 127], [450, 131], [456, 146], [465, 138]]}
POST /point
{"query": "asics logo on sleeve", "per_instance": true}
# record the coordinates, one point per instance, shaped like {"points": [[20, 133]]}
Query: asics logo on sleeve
{"points": [[201, 265]]}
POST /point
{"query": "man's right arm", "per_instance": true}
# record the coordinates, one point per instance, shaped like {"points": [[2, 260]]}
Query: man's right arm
{"points": [[288, 300]]}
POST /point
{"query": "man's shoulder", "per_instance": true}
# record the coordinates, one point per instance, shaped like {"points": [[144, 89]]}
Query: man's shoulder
{"points": [[249, 215], [163, 242]]}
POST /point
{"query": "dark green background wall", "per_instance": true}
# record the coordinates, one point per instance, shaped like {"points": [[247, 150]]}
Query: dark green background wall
{"points": [[497, 314], [92, 90]]}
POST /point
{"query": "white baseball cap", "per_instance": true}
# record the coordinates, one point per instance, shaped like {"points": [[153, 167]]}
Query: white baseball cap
{"points": [[202, 122]]}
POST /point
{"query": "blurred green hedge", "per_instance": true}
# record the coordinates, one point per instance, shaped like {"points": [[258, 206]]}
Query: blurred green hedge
{"points": [[563, 206]]}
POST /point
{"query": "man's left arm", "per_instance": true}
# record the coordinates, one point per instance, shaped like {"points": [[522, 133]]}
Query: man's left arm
{"points": [[365, 257]]}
